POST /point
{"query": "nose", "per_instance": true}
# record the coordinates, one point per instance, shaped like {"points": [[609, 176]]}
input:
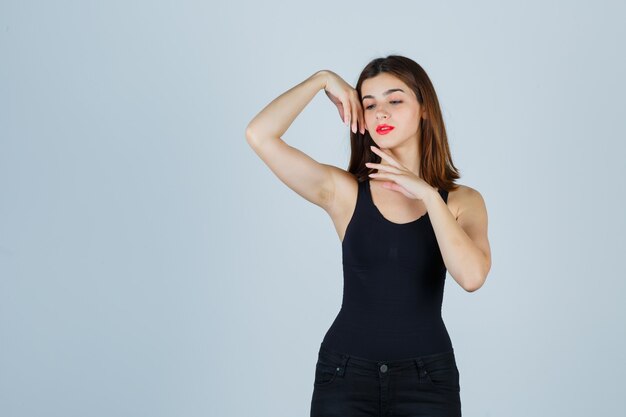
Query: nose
{"points": [[381, 116]]}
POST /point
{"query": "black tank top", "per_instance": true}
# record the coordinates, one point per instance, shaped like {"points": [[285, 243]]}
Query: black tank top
{"points": [[393, 285]]}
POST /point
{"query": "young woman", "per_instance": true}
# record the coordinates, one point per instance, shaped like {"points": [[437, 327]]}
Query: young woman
{"points": [[402, 222]]}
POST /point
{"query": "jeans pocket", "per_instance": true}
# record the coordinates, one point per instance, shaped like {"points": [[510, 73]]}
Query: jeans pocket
{"points": [[328, 368], [325, 374], [441, 372]]}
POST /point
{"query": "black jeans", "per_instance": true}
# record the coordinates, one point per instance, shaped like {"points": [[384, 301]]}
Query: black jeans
{"points": [[349, 386]]}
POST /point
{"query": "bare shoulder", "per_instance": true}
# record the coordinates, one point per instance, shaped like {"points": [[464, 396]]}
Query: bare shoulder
{"points": [[463, 199], [471, 215]]}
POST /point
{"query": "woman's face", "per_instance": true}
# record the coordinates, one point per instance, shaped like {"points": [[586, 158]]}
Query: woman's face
{"points": [[399, 109]]}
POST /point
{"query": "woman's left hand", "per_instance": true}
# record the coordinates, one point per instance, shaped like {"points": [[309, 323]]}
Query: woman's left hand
{"points": [[400, 178]]}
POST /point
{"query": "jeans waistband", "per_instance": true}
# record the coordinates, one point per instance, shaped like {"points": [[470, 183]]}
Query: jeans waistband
{"points": [[374, 365]]}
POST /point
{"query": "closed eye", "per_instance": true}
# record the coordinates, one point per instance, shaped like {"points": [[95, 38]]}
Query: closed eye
{"points": [[393, 101]]}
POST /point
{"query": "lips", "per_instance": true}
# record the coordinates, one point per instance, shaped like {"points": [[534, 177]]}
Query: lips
{"points": [[384, 129]]}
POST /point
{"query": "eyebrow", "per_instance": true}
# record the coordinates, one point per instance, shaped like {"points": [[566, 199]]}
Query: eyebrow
{"points": [[386, 93]]}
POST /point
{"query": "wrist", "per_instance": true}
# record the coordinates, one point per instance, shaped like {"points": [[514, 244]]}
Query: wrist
{"points": [[321, 77], [431, 196]]}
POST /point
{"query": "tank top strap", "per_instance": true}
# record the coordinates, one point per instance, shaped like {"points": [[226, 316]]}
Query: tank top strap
{"points": [[363, 196]]}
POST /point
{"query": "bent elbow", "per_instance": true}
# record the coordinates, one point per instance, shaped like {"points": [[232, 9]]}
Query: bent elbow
{"points": [[477, 280], [249, 134], [474, 284], [471, 288]]}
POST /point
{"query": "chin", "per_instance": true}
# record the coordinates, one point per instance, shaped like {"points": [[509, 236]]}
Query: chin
{"points": [[386, 144]]}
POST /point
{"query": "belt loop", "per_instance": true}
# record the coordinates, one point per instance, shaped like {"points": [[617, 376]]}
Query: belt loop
{"points": [[421, 370], [341, 369]]}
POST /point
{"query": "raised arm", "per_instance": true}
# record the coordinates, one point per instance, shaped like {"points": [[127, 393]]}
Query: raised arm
{"points": [[312, 180]]}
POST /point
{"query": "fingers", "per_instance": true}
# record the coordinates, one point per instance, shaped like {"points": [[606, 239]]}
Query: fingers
{"points": [[355, 112], [342, 113], [346, 111], [383, 167], [356, 115], [361, 119], [349, 104], [384, 156]]}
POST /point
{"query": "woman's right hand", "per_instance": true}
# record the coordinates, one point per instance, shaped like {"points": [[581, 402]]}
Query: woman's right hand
{"points": [[346, 99]]}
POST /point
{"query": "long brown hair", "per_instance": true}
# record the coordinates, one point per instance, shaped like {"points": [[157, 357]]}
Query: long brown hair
{"points": [[436, 166]]}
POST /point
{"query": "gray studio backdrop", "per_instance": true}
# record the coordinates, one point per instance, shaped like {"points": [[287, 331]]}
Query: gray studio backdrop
{"points": [[152, 265]]}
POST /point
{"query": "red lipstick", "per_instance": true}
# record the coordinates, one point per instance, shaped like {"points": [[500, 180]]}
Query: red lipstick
{"points": [[384, 129]]}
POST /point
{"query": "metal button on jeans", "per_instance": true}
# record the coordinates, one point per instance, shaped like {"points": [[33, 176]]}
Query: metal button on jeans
{"points": [[383, 368]]}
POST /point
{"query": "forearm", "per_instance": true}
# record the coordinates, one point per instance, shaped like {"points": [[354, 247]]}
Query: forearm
{"points": [[465, 262], [274, 120]]}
